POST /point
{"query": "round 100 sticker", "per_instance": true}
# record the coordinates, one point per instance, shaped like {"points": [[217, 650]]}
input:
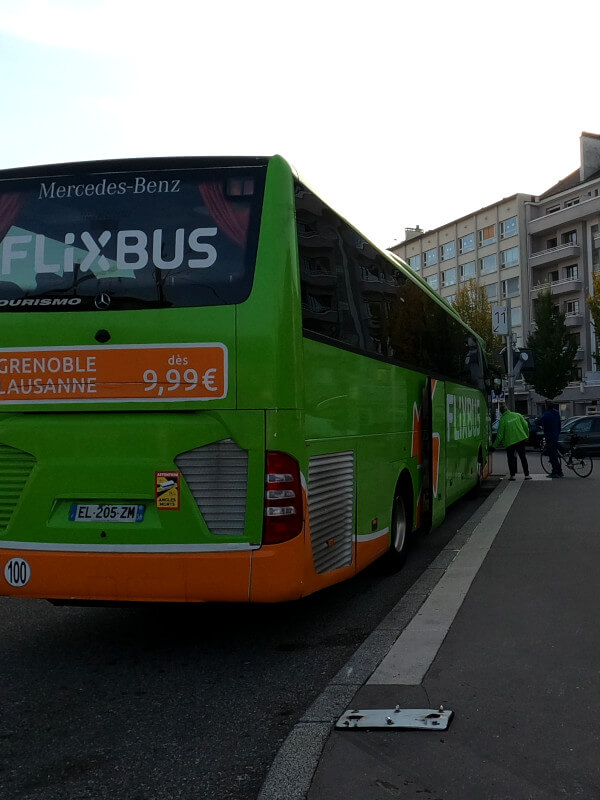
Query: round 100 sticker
{"points": [[17, 572]]}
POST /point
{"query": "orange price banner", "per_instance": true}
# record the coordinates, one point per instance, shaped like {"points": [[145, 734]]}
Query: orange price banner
{"points": [[118, 372]]}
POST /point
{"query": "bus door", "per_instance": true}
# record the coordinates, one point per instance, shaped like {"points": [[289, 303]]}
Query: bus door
{"points": [[433, 508]]}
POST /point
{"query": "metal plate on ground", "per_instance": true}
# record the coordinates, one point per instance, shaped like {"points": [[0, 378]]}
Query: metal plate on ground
{"points": [[402, 718]]}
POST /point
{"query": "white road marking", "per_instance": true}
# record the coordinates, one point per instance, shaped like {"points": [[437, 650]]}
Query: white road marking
{"points": [[415, 649]]}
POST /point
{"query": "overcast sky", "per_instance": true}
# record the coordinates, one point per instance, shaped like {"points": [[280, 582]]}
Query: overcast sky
{"points": [[397, 113]]}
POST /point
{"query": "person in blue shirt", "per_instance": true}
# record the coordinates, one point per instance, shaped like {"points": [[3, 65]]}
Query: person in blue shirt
{"points": [[550, 422]]}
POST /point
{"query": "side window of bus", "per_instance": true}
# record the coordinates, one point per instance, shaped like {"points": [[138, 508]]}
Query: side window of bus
{"points": [[418, 330], [471, 362], [351, 293], [328, 305], [379, 284]]}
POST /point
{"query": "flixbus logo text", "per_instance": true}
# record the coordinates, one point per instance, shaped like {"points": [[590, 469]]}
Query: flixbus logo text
{"points": [[463, 420]]}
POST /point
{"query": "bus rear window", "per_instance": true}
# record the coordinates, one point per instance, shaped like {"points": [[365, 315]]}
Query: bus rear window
{"points": [[129, 240]]}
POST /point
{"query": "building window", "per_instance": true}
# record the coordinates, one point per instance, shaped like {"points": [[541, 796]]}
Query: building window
{"points": [[415, 262], [576, 337], [570, 237], [553, 276], [488, 264], [550, 243], [510, 287], [447, 251], [432, 280], [508, 228], [571, 273], [515, 316], [450, 299], [492, 291], [449, 277], [572, 308], [466, 244], [595, 249], [486, 235], [552, 209], [509, 258], [573, 202], [467, 271], [431, 257]]}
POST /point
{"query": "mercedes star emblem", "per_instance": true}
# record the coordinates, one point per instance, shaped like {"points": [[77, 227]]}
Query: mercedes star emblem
{"points": [[102, 301]]}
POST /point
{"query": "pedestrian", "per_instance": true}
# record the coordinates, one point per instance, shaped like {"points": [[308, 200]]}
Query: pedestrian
{"points": [[550, 422], [513, 432]]}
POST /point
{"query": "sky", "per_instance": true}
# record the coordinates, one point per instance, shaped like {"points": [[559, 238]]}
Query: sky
{"points": [[398, 114]]}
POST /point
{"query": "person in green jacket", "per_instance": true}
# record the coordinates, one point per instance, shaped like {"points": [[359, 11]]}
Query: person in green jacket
{"points": [[513, 432]]}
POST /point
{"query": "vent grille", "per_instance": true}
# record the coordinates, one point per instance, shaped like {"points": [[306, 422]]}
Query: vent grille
{"points": [[330, 505], [217, 477], [15, 468]]}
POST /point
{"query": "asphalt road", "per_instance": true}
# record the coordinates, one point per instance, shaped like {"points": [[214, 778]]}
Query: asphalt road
{"points": [[176, 703]]}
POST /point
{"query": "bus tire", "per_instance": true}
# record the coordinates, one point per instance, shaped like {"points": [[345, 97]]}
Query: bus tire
{"points": [[479, 478], [401, 528]]}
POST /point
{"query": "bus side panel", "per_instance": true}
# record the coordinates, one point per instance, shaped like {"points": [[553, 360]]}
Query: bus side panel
{"points": [[439, 453], [371, 409], [465, 434]]}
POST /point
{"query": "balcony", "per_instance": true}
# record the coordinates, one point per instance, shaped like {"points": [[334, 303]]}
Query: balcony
{"points": [[547, 222], [543, 257], [592, 378], [573, 320], [579, 354], [557, 287]]}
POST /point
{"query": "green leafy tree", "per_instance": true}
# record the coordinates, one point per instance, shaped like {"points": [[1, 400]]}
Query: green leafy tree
{"points": [[471, 302], [552, 348], [593, 302]]}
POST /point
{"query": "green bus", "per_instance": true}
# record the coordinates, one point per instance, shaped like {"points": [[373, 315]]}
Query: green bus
{"points": [[213, 388]]}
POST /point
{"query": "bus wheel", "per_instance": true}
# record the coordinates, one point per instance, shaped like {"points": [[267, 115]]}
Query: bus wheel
{"points": [[400, 531], [479, 473]]}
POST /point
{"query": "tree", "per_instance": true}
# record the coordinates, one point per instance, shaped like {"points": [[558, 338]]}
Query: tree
{"points": [[471, 302], [552, 348], [593, 302]]}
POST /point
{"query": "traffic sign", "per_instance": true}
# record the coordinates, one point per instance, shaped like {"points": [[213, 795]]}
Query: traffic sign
{"points": [[500, 320]]}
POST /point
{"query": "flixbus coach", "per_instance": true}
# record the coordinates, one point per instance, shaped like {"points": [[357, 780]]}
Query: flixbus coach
{"points": [[213, 388]]}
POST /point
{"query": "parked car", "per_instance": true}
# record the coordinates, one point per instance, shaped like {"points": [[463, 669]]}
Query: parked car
{"points": [[568, 423], [536, 434], [586, 431]]}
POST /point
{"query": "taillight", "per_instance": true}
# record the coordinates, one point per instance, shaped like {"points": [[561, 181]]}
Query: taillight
{"points": [[283, 498]]}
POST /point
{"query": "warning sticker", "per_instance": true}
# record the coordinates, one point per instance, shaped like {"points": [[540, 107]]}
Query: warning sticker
{"points": [[166, 490]]}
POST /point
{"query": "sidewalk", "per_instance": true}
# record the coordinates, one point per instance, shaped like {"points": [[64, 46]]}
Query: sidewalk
{"points": [[519, 666], [508, 638]]}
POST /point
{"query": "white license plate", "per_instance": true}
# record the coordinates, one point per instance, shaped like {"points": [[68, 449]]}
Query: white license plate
{"points": [[106, 512]]}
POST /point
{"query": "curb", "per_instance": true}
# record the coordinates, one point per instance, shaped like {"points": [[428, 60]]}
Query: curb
{"points": [[296, 761]]}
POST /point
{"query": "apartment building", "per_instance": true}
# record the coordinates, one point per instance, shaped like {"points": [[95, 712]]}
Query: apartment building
{"points": [[519, 246], [563, 235], [489, 246]]}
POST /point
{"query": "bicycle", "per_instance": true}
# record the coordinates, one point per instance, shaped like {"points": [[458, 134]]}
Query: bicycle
{"points": [[581, 465]]}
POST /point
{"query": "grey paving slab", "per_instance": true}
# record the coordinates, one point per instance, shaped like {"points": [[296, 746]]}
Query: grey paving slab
{"points": [[411, 655], [302, 763], [519, 666]]}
